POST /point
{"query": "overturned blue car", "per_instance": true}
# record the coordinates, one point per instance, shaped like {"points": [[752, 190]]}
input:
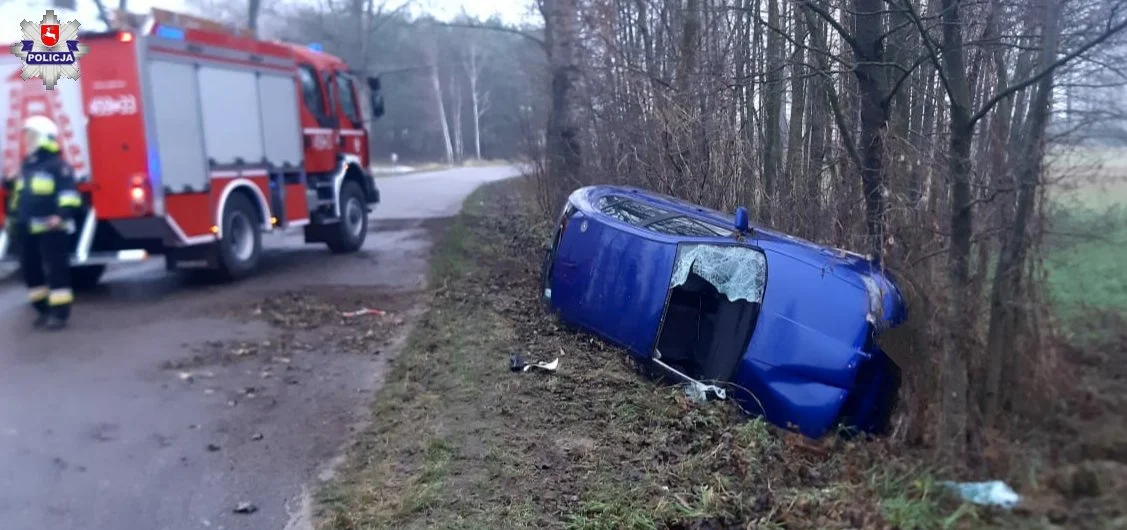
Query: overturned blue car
{"points": [[784, 326]]}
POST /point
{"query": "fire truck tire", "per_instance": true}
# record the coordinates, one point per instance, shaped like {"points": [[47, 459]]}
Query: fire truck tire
{"points": [[87, 277], [241, 246], [353, 226]]}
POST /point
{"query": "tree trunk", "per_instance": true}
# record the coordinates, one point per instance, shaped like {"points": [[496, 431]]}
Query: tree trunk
{"points": [[564, 160], [253, 8], [795, 151], [953, 368], [869, 24], [475, 97], [820, 134], [1011, 259], [772, 113], [436, 84], [456, 120]]}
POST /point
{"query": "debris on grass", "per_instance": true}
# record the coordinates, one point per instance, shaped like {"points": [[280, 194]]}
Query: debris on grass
{"points": [[989, 493], [364, 311], [700, 392], [518, 364]]}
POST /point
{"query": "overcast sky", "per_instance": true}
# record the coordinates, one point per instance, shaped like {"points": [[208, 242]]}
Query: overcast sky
{"points": [[13, 11]]}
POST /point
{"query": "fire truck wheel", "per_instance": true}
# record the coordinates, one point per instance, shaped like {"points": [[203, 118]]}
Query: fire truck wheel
{"points": [[87, 277], [353, 226], [241, 245]]}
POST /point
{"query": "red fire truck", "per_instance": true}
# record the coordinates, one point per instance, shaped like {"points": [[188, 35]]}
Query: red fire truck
{"points": [[190, 142]]}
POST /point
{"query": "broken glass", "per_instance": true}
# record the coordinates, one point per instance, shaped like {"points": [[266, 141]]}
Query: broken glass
{"points": [[738, 272]]}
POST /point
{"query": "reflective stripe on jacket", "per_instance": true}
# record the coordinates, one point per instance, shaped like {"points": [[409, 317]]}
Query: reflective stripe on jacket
{"points": [[45, 188]]}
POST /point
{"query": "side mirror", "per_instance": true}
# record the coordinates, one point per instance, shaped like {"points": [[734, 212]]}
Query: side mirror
{"points": [[377, 97], [741, 219]]}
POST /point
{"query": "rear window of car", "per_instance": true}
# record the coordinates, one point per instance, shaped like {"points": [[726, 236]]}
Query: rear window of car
{"points": [[656, 219], [627, 210], [684, 226]]}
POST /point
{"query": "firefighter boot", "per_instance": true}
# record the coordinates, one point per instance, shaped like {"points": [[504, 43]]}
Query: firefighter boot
{"points": [[43, 314], [54, 323], [58, 317]]}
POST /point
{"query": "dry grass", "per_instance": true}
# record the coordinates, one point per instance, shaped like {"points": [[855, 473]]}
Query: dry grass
{"points": [[459, 441]]}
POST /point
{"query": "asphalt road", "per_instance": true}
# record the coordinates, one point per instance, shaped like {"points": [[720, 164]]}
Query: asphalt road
{"points": [[97, 433]]}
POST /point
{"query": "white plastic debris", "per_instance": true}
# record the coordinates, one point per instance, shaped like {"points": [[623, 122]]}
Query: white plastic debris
{"points": [[363, 311], [989, 493], [698, 392], [551, 367], [518, 364]]}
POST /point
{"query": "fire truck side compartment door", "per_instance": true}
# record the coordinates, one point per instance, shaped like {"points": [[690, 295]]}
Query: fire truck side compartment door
{"points": [[179, 131], [231, 122], [277, 99]]}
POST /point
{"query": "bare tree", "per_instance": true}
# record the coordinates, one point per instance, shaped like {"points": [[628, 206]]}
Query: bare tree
{"points": [[479, 99], [440, 109], [561, 21]]}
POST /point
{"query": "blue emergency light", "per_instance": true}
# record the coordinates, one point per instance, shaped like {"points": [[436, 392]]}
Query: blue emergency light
{"points": [[169, 32], [316, 46]]}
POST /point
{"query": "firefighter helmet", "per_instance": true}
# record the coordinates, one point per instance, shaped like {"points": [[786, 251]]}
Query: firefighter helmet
{"points": [[42, 133]]}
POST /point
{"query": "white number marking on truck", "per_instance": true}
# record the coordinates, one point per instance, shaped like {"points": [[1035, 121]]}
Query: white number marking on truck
{"points": [[322, 142], [122, 105]]}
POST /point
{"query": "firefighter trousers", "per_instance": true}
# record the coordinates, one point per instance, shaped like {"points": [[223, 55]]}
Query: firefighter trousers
{"points": [[45, 262]]}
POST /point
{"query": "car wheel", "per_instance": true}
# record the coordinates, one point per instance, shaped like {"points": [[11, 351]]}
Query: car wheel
{"points": [[86, 277], [352, 229], [241, 246]]}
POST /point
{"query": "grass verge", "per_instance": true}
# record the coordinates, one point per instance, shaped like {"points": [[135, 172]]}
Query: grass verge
{"points": [[458, 441]]}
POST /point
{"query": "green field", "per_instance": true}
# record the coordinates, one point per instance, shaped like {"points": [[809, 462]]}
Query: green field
{"points": [[1087, 247]]}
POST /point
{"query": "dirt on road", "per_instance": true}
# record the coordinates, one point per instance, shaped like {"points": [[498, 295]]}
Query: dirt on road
{"points": [[188, 398], [178, 404]]}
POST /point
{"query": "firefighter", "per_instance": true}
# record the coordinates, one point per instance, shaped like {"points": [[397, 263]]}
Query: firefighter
{"points": [[44, 202]]}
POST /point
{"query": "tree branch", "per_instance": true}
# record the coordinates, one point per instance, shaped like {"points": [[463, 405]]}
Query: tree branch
{"points": [[1031, 80], [932, 47], [829, 18], [503, 29]]}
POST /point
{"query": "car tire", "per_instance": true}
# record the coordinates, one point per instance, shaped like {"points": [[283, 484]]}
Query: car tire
{"points": [[352, 229], [241, 246], [86, 277]]}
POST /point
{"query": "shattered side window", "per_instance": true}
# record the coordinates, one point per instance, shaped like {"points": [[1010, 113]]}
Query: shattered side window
{"points": [[627, 210], [684, 226], [736, 271]]}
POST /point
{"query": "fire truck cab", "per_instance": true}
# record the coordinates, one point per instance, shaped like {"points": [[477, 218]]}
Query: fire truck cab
{"points": [[191, 140]]}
